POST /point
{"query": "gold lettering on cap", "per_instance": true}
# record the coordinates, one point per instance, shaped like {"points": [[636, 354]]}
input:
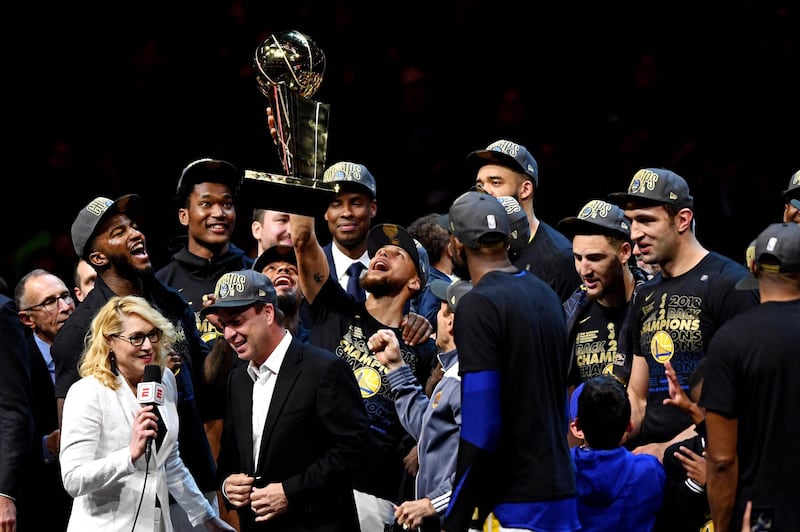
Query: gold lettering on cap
{"points": [[643, 180], [595, 208], [343, 171], [229, 285], [505, 146], [98, 206]]}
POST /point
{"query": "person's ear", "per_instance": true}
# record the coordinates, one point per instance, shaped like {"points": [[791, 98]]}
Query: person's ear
{"points": [[183, 216], [97, 259], [684, 220], [574, 428], [525, 190], [25, 319]]}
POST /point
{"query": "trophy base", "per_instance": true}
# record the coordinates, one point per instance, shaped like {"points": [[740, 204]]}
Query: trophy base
{"points": [[297, 195]]}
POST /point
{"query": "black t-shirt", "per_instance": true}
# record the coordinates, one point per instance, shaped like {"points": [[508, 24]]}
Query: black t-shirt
{"points": [[513, 324], [595, 340], [343, 326], [751, 375], [676, 318], [549, 257]]}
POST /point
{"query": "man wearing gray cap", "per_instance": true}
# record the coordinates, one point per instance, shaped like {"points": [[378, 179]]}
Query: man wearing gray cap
{"points": [[513, 457], [601, 245], [791, 198], [751, 395], [673, 316], [296, 430], [105, 234]]}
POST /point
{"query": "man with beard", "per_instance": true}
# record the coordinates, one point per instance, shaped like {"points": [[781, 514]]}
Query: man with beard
{"points": [[279, 263], [601, 246], [397, 272], [505, 168], [106, 235], [513, 457]]}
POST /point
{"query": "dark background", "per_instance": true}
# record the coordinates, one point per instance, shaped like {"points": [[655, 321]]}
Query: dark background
{"points": [[119, 98]]}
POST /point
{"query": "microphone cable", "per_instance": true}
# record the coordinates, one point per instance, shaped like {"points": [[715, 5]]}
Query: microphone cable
{"points": [[139, 506]]}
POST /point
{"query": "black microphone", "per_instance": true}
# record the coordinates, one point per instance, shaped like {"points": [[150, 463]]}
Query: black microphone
{"points": [[150, 392]]}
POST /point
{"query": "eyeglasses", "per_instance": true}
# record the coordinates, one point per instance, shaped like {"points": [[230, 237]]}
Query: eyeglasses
{"points": [[137, 340], [51, 303]]}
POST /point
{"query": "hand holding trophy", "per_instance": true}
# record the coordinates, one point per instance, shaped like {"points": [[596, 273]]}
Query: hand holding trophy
{"points": [[289, 69]]}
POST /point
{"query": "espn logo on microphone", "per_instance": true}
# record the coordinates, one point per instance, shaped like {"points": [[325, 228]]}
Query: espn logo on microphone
{"points": [[150, 393]]}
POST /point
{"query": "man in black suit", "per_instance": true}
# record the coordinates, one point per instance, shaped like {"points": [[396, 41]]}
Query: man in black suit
{"points": [[45, 303], [16, 423], [296, 428]]}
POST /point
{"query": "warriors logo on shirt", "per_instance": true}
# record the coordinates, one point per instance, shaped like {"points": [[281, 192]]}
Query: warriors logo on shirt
{"points": [[661, 347], [369, 381]]}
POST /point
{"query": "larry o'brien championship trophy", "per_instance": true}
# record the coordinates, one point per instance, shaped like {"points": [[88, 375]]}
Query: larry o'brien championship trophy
{"points": [[289, 68]]}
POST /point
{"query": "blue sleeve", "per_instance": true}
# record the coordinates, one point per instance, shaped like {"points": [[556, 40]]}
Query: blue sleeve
{"points": [[480, 409]]}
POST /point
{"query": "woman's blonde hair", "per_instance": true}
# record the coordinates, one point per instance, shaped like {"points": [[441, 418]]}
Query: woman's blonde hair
{"points": [[97, 357]]}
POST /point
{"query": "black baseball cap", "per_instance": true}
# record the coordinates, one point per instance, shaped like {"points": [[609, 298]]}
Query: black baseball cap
{"points": [[777, 250], [241, 289], [450, 292], [347, 173], [207, 170], [655, 185], [474, 215], [596, 217], [506, 153], [278, 252], [519, 227], [396, 235], [792, 192]]}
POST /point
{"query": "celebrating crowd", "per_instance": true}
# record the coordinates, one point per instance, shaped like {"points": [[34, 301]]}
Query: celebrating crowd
{"points": [[478, 369]]}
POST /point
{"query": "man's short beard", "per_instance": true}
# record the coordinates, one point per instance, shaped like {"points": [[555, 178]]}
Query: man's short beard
{"points": [[460, 268], [379, 287], [127, 270]]}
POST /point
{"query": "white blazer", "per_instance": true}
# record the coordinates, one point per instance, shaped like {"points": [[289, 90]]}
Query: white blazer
{"points": [[96, 468]]}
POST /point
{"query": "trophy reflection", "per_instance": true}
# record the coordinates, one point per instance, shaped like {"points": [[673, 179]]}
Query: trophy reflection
{"points": [[289, 69]]}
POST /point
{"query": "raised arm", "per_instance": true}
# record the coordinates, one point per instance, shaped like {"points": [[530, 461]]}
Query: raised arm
{"points": [[312, 265]]}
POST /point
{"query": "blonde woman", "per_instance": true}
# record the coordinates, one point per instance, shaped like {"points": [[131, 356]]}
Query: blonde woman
{"points": [[105, 429]]}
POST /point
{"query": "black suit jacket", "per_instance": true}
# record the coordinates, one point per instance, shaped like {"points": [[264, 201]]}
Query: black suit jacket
{"points": [[315, 436], [42, 480], [16, 425]]}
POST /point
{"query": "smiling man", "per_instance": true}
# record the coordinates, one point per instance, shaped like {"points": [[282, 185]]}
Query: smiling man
{"points": [[397, 272], [205, 198], [106, 234], [601, 246]]}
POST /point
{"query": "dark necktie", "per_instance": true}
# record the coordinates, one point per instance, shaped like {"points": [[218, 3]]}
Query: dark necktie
{"points": [[353, 286]]}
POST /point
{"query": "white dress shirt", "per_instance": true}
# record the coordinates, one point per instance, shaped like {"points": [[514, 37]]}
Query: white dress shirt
{"points": [[264, 377], [342, 262]]}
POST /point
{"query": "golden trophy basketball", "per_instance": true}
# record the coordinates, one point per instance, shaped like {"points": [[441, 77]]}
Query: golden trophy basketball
{"points": [[289, 70]]}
